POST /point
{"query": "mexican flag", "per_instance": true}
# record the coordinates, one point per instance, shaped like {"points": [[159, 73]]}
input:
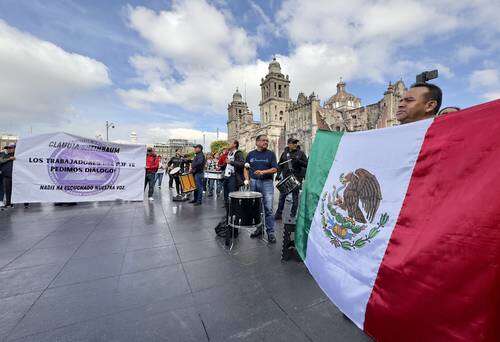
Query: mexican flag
{"points": [[400, 226]]}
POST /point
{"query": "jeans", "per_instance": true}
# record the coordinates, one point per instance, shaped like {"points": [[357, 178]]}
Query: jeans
{"points": [[220, 185], [198, 193], [210, 186], [266, 188], [295, 203], [150, 179], [159, 178]]}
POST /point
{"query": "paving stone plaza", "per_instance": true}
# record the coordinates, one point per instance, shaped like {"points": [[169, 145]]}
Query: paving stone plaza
{"points": [[152, 271]]}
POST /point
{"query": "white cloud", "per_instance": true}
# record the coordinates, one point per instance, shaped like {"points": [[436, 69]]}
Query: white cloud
{"points": [[484, 78], [486, 82], [493, 95], [359, 40], [466, 53], [194, 35], [39, 80]]}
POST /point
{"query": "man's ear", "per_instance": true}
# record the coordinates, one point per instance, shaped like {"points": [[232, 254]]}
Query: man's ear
{"points": [[430, 106]]}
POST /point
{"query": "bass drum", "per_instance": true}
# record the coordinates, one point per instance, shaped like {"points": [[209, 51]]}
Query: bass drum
{"points": [[245, 209]]}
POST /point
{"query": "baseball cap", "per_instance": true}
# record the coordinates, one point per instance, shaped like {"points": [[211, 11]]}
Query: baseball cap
{"points": [[292, 141], [198, 146], [11, 145]]}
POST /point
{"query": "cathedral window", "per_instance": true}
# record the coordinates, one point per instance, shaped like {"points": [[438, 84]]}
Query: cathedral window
{"points": [[279, 86], [279, 93], [354, 116]]}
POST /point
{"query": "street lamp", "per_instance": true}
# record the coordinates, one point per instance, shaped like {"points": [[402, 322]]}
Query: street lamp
{"points": [[108, 126]]}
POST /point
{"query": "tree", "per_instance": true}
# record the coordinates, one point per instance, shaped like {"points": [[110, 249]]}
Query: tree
{"points": [[218, 145]]}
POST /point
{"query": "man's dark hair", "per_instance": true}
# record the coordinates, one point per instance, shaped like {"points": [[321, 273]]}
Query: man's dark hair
{"points": [[260, 136], [434, 93], [237, 144], [177, 149]]}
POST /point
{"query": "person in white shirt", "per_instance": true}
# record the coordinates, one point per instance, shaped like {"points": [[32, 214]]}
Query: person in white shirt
{"points": [[160, 173]]}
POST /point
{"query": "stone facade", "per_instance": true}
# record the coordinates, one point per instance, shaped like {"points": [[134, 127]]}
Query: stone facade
{"points": [[167, 150], [282, 118]]}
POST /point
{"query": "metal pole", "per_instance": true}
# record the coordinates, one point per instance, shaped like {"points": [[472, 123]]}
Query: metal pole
{"points": [[107, 131], [217, 133]]}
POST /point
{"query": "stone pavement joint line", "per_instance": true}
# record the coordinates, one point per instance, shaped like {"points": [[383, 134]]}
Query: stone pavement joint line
{"points": [[152, 271]]}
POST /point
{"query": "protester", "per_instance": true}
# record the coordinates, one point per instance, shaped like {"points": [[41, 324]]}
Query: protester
{"points": [[160, 173], [197, 167], [175, 161], [233, 172], [260, 175], [211, 166], [152, 164], [6, 163], [221, 166], [3, 153], [420, 102], [296, 166], [447, 110]]}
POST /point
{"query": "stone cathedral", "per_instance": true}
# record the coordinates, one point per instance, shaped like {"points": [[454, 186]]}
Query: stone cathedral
{"points": [[282, 118]]}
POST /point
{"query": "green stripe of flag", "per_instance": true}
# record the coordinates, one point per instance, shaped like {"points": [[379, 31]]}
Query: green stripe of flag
{"points": [[320, 161]]}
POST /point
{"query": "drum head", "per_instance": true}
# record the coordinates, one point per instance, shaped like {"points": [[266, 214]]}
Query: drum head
{"points": [[175, 170], [245, 194]]}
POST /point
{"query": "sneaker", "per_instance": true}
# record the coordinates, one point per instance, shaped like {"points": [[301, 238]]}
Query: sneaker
{"points": [[192, 202], [151, 199], [196, 204], [26, 205], [271, 238], [256, 233]]}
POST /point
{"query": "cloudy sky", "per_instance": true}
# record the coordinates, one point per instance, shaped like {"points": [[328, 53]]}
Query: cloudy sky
{"points": [[167, 69]]}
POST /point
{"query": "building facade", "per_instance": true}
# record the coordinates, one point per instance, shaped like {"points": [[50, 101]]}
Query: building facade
{"points": [[6, 139], [282, 118], [167, 150]]}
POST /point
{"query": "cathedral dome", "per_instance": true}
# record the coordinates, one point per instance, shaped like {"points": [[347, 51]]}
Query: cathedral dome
{"points": [[343, 98], [237, 96], [274, 66]]}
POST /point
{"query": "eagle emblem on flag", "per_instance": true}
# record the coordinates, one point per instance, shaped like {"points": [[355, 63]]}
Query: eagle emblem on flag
{"points": [[348, 211]]}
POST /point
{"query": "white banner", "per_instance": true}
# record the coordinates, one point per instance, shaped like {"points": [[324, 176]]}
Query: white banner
{"points": [[61, 167]]}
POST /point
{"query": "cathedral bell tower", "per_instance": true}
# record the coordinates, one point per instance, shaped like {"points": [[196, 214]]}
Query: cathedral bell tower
{"points": [[237, 116], [275, 97]]}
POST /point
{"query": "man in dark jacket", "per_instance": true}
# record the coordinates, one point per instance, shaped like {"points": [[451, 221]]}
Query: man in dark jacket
{"points": [[174, 162], [6, 163], [233, 172], [297, 166], [197, 167]]}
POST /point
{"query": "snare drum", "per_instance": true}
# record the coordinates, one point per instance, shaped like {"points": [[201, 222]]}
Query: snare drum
{"points": [[187, 182], [287, 185], [213, 175], [175, 171], [245, 209]]}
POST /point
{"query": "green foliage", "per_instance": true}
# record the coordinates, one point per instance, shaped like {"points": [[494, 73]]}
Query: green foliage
{"points": [[218, 145]]}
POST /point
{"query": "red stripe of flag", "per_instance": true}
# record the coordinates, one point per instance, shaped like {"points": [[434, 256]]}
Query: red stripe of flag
{"points": [[440, 277]]}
